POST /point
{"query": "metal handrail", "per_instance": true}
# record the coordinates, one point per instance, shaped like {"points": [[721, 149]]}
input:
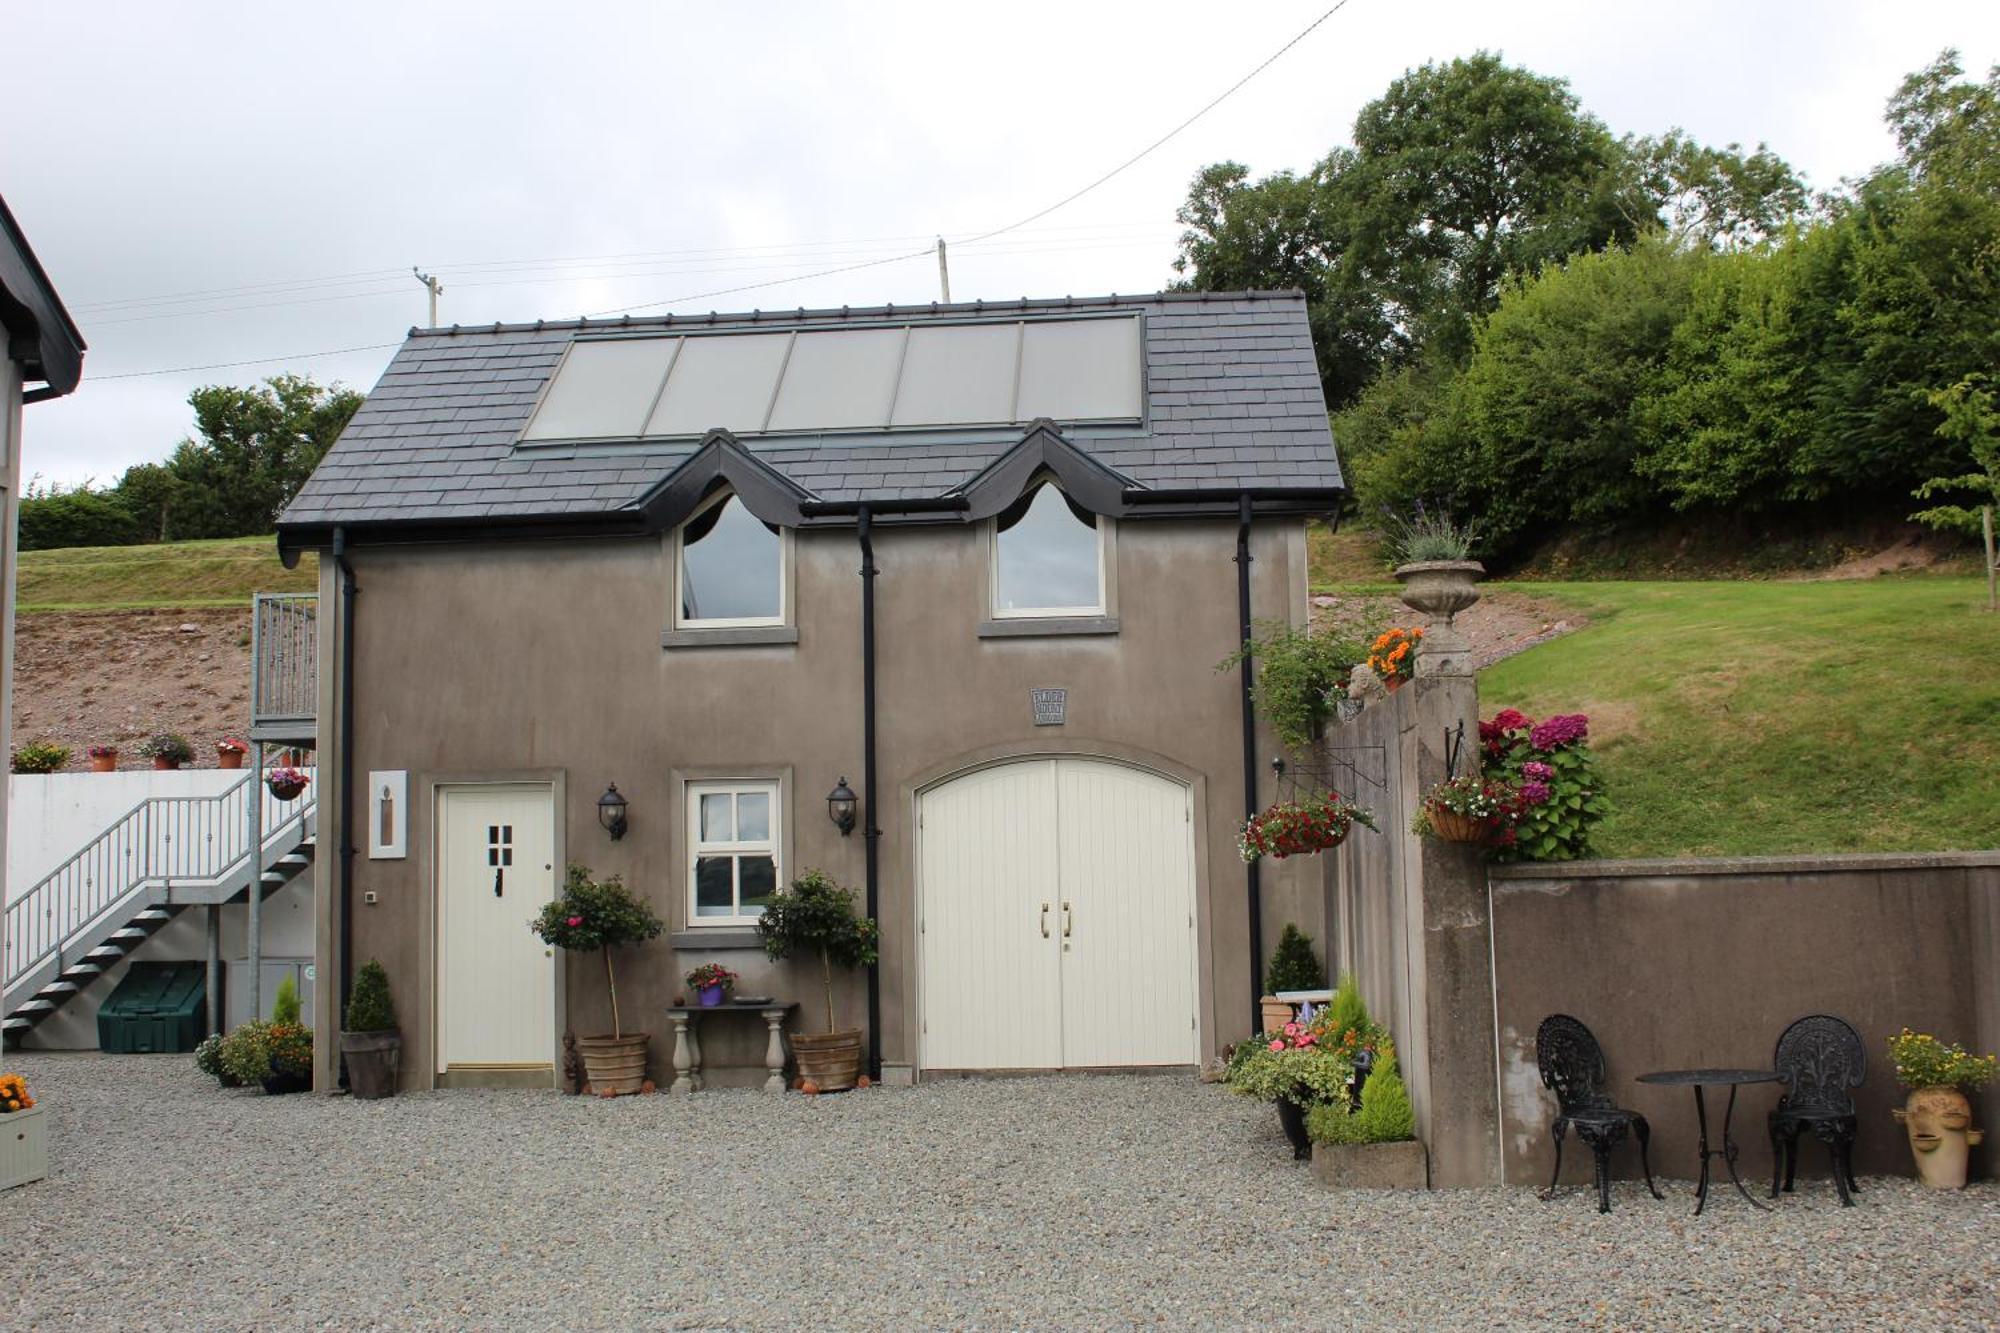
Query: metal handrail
{"points": [[284, 677], [163, 839]]}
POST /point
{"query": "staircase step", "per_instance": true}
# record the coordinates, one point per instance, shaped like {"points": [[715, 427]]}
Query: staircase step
{"points": [[106, 954], [157, 916], [85, 969], [59, 989], [37, 1006], [130, 934], [16, 1024], [294, 860]]}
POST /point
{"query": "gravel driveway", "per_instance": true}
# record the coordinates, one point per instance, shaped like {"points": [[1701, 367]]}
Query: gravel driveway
{"points": [[1065, 1202]]}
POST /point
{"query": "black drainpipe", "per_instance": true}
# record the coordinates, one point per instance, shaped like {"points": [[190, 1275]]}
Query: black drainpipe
{"points": [[871, 834], [346, 725], [1252, 881]]}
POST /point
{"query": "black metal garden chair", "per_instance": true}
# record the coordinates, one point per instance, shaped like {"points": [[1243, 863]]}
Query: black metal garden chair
{"points": [[1572, 1065], [1819, 1059]]}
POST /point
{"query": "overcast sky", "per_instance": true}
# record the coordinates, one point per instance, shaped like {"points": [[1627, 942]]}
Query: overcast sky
{"points": [[212, 183]]}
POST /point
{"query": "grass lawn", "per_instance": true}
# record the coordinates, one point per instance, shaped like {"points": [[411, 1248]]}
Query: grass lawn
{"points": [[177, 574], [1772, 717]]}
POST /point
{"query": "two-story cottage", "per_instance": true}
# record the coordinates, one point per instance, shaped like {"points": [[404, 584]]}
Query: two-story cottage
{"points": [[978, 561]]}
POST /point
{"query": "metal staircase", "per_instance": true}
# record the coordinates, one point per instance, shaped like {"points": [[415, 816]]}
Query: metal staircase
{"points": [[167, 853]]}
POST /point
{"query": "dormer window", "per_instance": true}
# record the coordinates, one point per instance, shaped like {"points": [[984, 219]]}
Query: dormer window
{"points": [[1048, 557], [732, 568]]}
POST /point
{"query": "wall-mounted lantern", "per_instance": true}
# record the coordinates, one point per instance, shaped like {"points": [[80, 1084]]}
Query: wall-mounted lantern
{"points": [[840, 807], [611, 812]]}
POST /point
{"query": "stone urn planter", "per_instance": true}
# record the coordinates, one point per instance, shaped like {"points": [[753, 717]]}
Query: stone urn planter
{"points": [[1441, 589], [24, 1147], [615, 1064], [1372, 1166], [1939, 1123]]}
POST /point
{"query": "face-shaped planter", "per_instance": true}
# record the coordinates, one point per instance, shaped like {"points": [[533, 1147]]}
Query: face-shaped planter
{"points": [[1939, 1121]]}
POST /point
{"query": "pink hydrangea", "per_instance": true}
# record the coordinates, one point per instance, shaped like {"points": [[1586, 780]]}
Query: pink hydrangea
{"points": [[1563, 729], [1535, 771], [1534, 793]]}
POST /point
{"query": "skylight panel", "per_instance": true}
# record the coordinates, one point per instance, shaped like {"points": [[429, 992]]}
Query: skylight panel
{"points": [[603, 389], [839, 379], [1080, 370], [958, 375], [726, 380]]}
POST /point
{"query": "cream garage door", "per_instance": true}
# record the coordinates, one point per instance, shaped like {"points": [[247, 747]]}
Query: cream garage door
{"points": [[496, 979], [1057, 930]]}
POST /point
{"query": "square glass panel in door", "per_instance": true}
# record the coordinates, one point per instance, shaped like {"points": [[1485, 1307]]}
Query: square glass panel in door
{"points": [[715, 886], [1047, 559], [732, 568], [717, 824], [757, 880]]}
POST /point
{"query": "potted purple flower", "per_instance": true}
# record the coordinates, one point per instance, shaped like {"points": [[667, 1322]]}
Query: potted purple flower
{"points": [[711, 982], [286, 783]]}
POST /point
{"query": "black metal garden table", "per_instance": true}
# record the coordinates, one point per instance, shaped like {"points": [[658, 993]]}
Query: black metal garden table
{"points": [[1699, 1079]]}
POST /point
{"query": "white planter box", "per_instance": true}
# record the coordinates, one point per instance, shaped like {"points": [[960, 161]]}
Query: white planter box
{"points": [[24, 1147]]}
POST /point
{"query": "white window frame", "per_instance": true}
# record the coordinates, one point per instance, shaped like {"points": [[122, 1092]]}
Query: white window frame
{"points": [[730, 622], [772, 846], [1103, 527]]}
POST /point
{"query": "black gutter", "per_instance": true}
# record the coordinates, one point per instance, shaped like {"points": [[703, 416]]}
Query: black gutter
{"points": [[346, 724], [921, 504], [872, 834], [1253, 883], [1305, 495]]}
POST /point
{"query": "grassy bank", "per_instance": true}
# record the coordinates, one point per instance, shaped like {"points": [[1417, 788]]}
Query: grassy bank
{"points": [[176, 574], [1772, 717]]}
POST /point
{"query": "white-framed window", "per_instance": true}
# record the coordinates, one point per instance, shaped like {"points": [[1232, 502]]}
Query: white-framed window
{"points": [[1048, 557], [731, 567], [732, 851]]}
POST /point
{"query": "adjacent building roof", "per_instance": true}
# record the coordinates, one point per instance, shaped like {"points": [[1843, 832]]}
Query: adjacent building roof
{"points": [[40, 333], [1230, 401]]}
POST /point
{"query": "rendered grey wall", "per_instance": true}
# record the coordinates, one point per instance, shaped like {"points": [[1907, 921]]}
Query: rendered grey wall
{"points": [[546, 656], [1703, 963]]}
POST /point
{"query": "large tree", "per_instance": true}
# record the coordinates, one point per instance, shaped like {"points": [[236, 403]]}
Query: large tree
{"points": [[256, 447]]}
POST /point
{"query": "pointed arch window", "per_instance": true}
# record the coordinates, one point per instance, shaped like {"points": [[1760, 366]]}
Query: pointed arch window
{"points": [[731, 567], [1048, 557]]}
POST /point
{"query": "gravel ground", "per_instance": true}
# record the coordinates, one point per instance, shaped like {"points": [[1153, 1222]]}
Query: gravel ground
{"points": [[1072, 1202]]}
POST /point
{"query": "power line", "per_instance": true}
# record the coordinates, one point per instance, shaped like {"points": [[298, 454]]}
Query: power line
{"points": [[903, 257]]}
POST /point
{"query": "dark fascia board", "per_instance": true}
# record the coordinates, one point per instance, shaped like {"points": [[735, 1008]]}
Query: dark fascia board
{"points": [[722, 461], [1043, 449], [41, 335]]}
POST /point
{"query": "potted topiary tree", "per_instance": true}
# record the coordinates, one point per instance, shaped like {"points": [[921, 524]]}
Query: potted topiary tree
{"points": [[369, 1041], [1294, 967], [602, 915], [1374, 1145], [816, 916]]}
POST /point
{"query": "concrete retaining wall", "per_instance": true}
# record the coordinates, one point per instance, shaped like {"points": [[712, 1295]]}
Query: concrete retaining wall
{"points": [[1688, 963]]}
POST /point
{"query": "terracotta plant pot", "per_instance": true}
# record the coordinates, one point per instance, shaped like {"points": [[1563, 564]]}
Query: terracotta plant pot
{"points": [[1277, 1012], [615, 1065], [1939, 1122], [104, 763], [163, 764], [373, 1060], [830, 1060], [1450, 826], [229, 758]]}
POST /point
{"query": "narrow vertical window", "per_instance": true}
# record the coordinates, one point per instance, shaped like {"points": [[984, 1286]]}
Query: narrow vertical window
{"points": [[1048, 558], [732, 568]]}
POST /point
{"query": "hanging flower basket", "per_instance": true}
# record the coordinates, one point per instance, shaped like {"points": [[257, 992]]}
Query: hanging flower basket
{"points": [[1314, 823], [286, 783], [1464, 809]]}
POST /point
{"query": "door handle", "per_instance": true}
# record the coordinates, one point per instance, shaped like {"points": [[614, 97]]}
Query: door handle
{"points": [[1045, 920], [496, 882], [1065, 920]]}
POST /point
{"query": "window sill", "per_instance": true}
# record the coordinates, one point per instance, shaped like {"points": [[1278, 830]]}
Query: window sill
{"points": [[1035, 627], [751, 636], [717, 938]]}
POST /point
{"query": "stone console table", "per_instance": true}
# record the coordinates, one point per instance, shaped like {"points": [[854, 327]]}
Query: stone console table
{"points": [[687, 1041]]}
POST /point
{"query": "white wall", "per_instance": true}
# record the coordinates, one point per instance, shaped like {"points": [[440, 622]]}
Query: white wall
{"points": [[51, 816]]}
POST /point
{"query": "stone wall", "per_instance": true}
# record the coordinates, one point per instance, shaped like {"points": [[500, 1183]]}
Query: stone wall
{"points": [[1689, 963]]}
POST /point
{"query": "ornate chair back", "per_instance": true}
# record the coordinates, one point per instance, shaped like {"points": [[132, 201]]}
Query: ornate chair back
{"points": [[1820, 1058], [1572, 1065]]}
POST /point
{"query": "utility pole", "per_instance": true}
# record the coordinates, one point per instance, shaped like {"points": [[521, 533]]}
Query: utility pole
{"points": [[436, 289], [944, 273]]}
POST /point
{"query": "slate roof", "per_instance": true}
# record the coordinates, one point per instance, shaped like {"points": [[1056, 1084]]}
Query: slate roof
{"points": [[1233, 402]]}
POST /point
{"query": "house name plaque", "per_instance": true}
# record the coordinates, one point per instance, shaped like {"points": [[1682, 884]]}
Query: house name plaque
{"points": [[1050, 706]]}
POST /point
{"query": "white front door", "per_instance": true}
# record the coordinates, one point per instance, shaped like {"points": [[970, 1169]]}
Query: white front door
{"points": [[496, 979], [1057, 902]]}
